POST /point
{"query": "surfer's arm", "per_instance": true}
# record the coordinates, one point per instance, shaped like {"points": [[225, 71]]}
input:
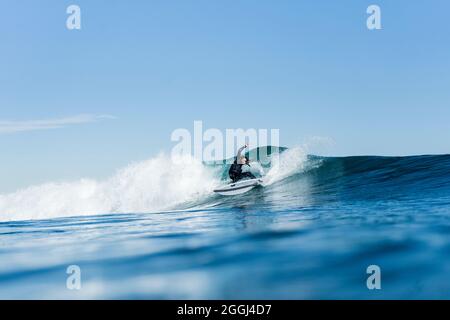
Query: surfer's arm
{"points": [[240, 151]]}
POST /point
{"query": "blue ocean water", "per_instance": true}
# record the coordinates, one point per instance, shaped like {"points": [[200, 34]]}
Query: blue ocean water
{"points": [[309, 233]]}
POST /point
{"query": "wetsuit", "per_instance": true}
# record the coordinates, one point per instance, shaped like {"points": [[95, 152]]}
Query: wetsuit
{"points": [[235, 171]]}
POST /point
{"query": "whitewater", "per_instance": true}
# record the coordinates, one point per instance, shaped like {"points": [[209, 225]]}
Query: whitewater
{"points": [[157, 184]]}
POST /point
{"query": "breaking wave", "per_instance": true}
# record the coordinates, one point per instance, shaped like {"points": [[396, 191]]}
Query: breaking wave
{"points": [[160, 183]]}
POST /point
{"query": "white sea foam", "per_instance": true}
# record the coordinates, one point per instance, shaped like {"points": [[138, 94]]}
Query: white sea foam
{"points": [[157, 184], [286, 164]]}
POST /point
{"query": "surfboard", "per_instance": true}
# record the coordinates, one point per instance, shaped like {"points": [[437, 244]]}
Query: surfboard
{"points": [[239, 187]]}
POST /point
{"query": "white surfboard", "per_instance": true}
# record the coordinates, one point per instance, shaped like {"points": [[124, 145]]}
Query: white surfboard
{"points": [[239, 187]]}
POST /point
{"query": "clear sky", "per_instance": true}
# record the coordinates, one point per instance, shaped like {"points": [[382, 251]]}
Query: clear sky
{"points": [[83, 103]]}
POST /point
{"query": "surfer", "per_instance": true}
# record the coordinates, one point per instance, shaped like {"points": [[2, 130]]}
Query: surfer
{"points": [[240, 169]]}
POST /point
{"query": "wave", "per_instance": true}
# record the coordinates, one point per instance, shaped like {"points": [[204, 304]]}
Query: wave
{"points": [[385, 177], [157, 184], [162, 183]]}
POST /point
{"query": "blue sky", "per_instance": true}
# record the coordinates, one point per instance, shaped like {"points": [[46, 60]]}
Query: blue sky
{"points": [[113, 92]]}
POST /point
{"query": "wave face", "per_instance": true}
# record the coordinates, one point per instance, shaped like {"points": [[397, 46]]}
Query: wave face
{"points": [[291, 178], [369, 177]]}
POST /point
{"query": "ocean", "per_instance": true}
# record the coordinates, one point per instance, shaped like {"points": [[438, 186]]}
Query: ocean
{"points": [[155, 230]]}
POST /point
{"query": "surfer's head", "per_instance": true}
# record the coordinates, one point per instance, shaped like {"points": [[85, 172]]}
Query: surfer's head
{"points": [[242, 160]]}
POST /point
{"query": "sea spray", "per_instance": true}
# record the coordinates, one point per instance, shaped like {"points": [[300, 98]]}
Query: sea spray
{"points": [[155, 184], [285, 164]]}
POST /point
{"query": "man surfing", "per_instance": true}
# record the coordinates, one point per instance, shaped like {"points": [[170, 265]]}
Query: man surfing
{"points": [[240, 169]]}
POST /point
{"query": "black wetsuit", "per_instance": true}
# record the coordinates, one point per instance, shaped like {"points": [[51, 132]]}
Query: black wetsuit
{"points": [[236, 173]]}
